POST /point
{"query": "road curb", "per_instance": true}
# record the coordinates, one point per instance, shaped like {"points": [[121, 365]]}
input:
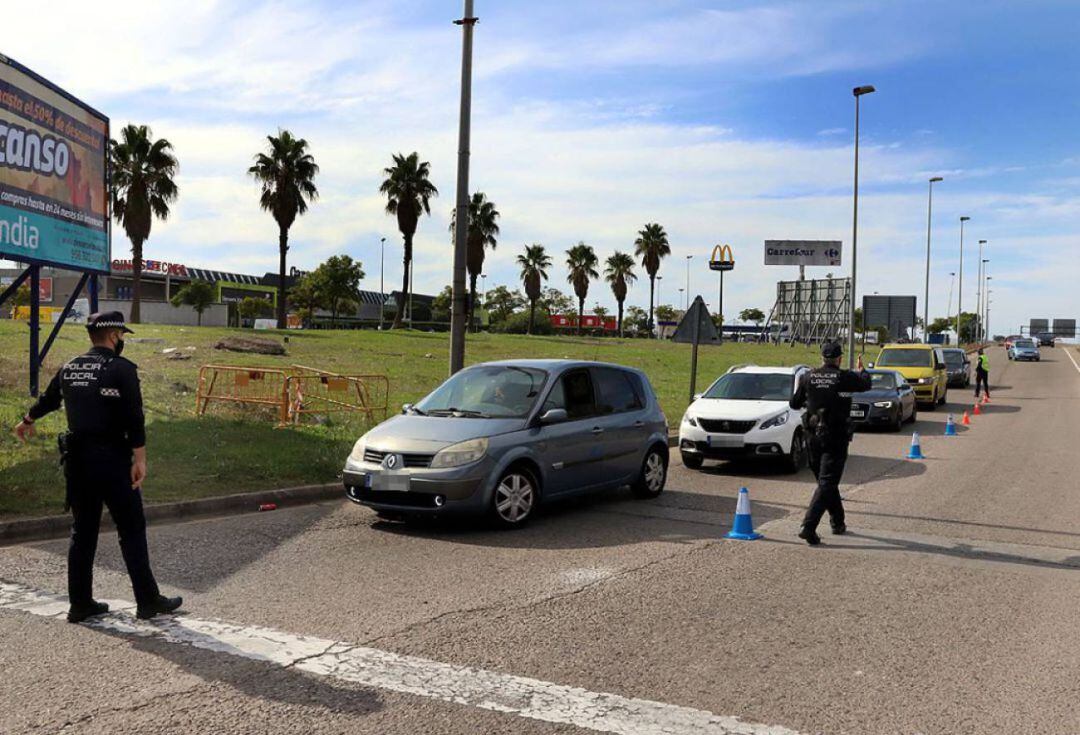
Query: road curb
{"points": [[51, 527]]}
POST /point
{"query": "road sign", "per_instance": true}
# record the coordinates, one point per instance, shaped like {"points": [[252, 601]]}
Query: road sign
{"points": [[697, 314], [1065, 328], [1038, 326], [895, 313], [722, 259], [803, 252]]}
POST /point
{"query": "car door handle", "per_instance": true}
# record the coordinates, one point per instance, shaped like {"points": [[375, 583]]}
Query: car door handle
{"points": [[597, 430], [638, 424]]}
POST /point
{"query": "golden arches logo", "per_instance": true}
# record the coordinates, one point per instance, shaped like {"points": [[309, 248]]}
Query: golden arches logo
{"points": [[722, 258]]}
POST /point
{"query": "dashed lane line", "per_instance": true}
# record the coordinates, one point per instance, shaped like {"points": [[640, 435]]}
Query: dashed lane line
{"points": [[462, 685]]}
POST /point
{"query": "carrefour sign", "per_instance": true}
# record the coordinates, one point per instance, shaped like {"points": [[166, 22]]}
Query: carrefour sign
{"points": [[803, 252]]}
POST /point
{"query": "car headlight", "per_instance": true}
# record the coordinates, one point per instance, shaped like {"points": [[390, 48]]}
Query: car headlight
{"points": [[778, 420], [883, 404], [460, 454], [357, 453], [925, 381], [688, 419]]}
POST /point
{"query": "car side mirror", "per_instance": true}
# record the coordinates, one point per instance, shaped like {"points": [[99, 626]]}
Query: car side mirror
{"points": [[406, 407], [553, 416]]}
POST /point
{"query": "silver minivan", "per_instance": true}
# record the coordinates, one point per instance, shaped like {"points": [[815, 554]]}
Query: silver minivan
{"points": [[500, 437]]}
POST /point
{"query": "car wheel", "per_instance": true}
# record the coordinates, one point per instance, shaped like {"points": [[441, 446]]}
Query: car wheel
{"points": [[515, 498], [898, 422], [650, 482], [944, 398], [914, 412], [692, 461], [796, 458]]}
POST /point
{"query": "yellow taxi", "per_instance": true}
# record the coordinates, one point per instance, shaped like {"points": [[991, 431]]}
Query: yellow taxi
{"points": [[923, 367]]}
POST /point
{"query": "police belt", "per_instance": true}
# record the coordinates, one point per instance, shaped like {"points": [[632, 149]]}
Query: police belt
{"points": [[71, 441]]}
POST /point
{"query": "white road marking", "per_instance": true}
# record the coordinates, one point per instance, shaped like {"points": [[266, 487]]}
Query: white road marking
{"points": [[1068, 354], [490, 690]]}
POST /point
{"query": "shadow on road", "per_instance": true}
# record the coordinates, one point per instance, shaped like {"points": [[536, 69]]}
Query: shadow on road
{"points": [[960, 550]]}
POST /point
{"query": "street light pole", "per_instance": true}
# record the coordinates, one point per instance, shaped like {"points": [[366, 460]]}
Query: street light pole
{"points": [[382, 284], [960, 288], [688, 259], [457, 313], [858, 92], [926, 296], [979, 295]]}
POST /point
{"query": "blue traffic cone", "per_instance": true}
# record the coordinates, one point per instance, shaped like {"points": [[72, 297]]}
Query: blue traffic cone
{"points": [[950, 426], [916, 449], [743, 528]]}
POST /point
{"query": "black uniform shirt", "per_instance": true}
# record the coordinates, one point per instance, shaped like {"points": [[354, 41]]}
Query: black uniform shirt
{"points": [[830, 388], [101, 396]]}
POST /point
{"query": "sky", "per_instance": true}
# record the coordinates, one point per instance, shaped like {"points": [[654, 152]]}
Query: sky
{"points": [[726, 122]]}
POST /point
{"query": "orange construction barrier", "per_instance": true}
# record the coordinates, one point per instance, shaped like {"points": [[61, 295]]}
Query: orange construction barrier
{"points": [[314, 391], [243, 385]]}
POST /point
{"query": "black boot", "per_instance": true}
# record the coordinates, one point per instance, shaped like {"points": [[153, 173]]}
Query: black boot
{"points": [[809, 536], [80, 612], [159, 606], [839, 530]]}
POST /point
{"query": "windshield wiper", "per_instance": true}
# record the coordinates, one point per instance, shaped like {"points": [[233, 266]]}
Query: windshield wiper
{"points": [[464, 412]]}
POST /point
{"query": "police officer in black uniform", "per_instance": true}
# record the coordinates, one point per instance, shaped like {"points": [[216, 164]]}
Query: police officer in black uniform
{"points": [[104, 456], [826, 394]]}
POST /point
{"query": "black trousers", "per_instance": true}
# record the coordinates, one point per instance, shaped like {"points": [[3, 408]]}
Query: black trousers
{"points": [[982, 379], [827, 460], [96, 479]]}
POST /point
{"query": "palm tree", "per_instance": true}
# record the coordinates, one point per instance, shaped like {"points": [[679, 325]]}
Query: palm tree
{"points": [[408, 193], [286, 173], [482, 232], [619, 272], [652, 247], [534, 264], [582, 262], [142, 188]]}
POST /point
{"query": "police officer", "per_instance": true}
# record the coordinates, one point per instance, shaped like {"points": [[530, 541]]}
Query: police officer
{"points": [[825, 392], [104, 456], [982, 374]]}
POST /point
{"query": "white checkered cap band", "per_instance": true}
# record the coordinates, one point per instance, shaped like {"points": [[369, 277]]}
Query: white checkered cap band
{"points": [[106, 325]]}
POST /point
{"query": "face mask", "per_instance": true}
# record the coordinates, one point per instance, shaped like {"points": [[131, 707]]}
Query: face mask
{"points": [[119, 347]]}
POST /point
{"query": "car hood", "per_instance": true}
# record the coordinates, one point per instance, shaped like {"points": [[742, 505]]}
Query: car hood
{"points": [[912, 372], [875, 395], [722, 408], [414, 433]]}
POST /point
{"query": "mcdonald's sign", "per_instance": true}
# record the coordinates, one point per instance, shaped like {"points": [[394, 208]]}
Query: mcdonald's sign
{"points": [[721, 258]]}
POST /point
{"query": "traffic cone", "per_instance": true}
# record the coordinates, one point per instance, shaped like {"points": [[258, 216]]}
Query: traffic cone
{"points": [[966, 420], [986, 398], [743, 528], [916, 448], [950, 426], [977, 411]]}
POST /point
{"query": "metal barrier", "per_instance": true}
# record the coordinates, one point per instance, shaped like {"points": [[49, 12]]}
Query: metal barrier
{"points": [[244, 385], [294, 392], [314, 391]]}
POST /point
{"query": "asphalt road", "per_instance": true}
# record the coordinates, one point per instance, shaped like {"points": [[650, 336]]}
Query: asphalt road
{"points": [[950, 608]]}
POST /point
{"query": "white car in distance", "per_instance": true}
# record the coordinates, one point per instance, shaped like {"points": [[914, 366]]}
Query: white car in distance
{"points": [[745, 414]]}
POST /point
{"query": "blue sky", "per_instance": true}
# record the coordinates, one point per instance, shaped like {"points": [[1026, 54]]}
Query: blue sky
{"points": [[724, 121]]}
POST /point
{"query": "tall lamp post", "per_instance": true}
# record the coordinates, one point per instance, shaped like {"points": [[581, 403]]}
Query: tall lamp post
{"points": [[960, 287], [926, 296], [382, 284], [681, 294], [457, 312], [688, 259], [979, 293], [986, 309], [858, 92]]}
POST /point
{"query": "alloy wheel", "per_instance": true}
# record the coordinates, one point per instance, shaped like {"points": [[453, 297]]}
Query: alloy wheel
{"points": [[514, 498], [654, 472]]}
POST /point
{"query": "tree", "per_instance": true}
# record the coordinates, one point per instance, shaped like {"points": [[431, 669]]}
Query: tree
{"points": [[252, 307], [941, 324], [141, 188], [637, 318], [581, 260], [664, 313], [600, 312], [198, 295], [482, 231], [757, 316], [619, 272], [652, 247], [969, 326], [21, 298], [556, 302], [287, 175], [338, 281], [534, 264], [304, 296], [441, 304], [502, 302], [408, 195]]}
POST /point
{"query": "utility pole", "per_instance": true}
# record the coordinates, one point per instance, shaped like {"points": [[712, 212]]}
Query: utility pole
{"points": [[960, 287], [461, 229], [857, 92], [926, 296], [382, 284]]}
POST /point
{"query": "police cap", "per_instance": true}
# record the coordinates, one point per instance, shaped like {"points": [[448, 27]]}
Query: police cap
{"points": [[831, 350], [107, 320]]}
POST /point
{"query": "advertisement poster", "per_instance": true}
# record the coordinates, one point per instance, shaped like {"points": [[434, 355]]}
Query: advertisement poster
{"points": [[53, 203]]}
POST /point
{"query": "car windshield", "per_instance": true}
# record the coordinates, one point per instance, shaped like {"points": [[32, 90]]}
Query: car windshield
{"points": [[1024, 343], [954, 359], [906, 358], [486, 391], [882, 381], [752, 387]]}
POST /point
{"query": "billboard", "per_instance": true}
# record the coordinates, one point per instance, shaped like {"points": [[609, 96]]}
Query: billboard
{"points": [[1038, 326], [721, 258], [895, 313], [53, 194], [1065, 328], [588, 321], [803, 252]]}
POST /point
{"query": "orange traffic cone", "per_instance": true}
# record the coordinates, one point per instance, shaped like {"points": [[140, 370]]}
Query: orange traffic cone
{"points": [[977, 411], [966, 420]]}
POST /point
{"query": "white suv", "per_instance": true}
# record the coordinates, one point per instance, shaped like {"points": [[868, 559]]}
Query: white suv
{"points": [[743, 414]]}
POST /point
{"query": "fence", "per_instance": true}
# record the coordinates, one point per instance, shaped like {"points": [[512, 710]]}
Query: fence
{"points": [[293, 393]]}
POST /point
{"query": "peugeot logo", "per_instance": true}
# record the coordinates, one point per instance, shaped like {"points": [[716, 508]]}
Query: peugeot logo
{"points": [[725, 426], [391, 461]]}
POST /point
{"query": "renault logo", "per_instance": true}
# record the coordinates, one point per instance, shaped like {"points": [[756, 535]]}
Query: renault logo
{"points": [[722, 258], [392, 461]]}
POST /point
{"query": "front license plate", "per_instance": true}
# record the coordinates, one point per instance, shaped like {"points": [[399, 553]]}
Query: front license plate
{"points": [[857, 414], [392, 483], [725, 441]]}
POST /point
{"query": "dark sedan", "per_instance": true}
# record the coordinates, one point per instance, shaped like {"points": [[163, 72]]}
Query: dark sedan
{"points": [[958, 367], [889, 402]]}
